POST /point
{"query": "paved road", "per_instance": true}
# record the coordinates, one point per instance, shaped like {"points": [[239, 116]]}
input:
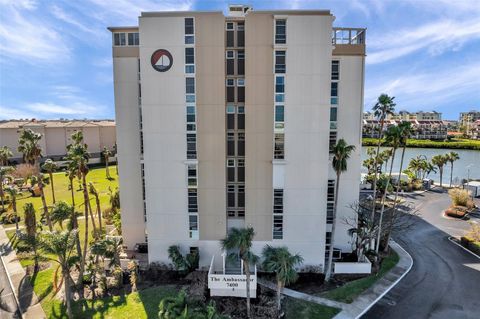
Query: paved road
{"points": [[8, 305], [445, 280]]}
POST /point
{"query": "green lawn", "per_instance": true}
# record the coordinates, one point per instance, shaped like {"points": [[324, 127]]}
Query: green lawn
{"points": [[348, 292], [454, 143], [300, 309], [96, 175]]}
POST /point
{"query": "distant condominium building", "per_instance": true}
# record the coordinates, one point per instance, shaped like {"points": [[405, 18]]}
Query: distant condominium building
{"points": [[426, 125], [467, 122], [228, 121], [56, 135]]}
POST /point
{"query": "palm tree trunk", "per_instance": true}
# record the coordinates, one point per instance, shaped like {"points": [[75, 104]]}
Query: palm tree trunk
{"points": [[390, 226], [247, 272], [72, 192], [377, 244], [99, 212], [328, 273], [375, 168], [85, 242], [14, 206], [93, 219], [66, 279], [53, 188], [44, 203], [279, 296], [441, 175], [451, 173]]}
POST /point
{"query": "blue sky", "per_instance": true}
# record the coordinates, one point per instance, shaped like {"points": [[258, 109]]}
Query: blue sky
{"points": [[55, 56]]}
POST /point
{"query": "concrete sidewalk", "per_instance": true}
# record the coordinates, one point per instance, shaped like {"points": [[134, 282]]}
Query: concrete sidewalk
{"points": [[25, 296]]}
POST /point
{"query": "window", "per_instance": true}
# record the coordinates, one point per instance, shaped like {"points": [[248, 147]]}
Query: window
{"points": [[230, 55], [241, 82], [241, 62], [330, 209], [333, 118], [193, 226], [133, 38], [241, 144], [230, 26], [231, 162], [334, 93], [189, 69], [280, 88], [279, 148], [190, 85], [280, 31], [230, 109], [191, 146], [230, 82], [189, 31], [278, 201], [277, 227], [230, 90], [189, 55], [241, 170], [192, 175], [241, 196], [189, 39], [230, 144], [240, 34], [230, 34], [279, 117], [192, 200], [231, 196], [331, 190], [119, 39], [191, 118], [332, 140], [280, 60], [241, 118], [335, 70]]}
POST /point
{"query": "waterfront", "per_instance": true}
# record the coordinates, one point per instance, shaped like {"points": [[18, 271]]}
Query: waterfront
{"points": [[469, 161]]}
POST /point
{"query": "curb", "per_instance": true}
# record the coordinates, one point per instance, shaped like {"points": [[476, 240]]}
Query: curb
{"points": [[395, 246], [450, 238]]}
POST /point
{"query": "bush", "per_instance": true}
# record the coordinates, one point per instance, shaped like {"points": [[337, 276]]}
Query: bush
{"points": [[461, 197], [9, 218], [470, 244], [184, 264]]}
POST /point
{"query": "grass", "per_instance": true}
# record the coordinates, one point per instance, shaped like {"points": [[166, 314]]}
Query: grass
{"points": [[300, 309], [454, 143], [96, 175], [348, 292]]}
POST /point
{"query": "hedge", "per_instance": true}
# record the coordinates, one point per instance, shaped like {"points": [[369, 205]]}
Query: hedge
{"points": [[470, 244], [455, 143]]}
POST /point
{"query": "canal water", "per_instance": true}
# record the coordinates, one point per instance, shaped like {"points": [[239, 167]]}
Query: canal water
{"points": [[469, 163]]}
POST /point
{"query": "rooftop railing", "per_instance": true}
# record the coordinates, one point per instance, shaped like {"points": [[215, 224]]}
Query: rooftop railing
{"points": [[348, 36]]}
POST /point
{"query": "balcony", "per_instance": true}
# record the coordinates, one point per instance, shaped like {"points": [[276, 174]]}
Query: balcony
{"points": [[348, 36]]}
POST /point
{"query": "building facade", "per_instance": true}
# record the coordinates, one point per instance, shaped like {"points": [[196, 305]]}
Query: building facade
{"points": [[56, 135], [227, 121], [468, 123]]}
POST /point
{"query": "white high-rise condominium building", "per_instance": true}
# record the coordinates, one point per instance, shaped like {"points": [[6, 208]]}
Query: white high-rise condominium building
{"points": [[227, 121]]}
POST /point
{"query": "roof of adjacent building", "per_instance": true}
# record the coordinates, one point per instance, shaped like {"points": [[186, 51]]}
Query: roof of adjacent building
{"points": [[16, 124]]}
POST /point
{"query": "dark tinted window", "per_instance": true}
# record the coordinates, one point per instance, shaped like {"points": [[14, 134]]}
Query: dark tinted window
{"points": [[190, 85], [333, 114], [189, 26], [280, 66], [189, 56], [230, 94], [241, 94], [230, 66], [280, 31], [230, 37]]}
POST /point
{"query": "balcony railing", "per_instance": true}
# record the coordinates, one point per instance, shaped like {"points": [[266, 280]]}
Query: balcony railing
{"points": [[348, 36]]}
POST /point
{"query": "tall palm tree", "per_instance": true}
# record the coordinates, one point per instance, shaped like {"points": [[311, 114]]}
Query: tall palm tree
{"points": [[341, 154], [440, 161], [393, 138], [405, 131], [384, 106], [280, 261], [4, 174], [94, 192], [13, 192], [30, 147], [241, 240], [452, 157], [50, 166], [71, 173], [77, 154], [31, 232], [5, 154], [60, 245], [106, 155]]}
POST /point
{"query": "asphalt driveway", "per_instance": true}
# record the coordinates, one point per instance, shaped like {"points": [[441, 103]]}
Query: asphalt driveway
{"points": [[445, 280]]}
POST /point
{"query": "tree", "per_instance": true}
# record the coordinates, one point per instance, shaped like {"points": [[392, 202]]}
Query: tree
{"points": [[71, 173], [280, 261], [341, 154], [393, 138], [106, 155], [452, 157], [77, 154], [13, 192], [362, 229], [241, 240], [405, 131], [133, 268], [440, 161], [384, 106], [109, 248], [61, 211], [183, 264], [30, 147], [5, 154], [50, 166], [60, 245], [92, 190], [4, 174], [31, 238]]}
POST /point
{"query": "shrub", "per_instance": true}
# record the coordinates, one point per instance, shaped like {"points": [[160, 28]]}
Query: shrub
{"points": [[470, 244], [474, 232], [184, 264], [9, 218], [460, 197]]}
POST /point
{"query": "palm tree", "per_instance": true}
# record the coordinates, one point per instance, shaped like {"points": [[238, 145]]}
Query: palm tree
{"points": [[31, 231], [384, 106], [106, 154], [440, 161], [60, 245], [13, 192], [241, 240], [341, 154], [4, 173], [94, 192], [61, 211], [70, 172], [393, 138], [29, 146], [78, 156], [5, 154], [452, 157], [50, 166], [280, 261], [405, 131]]}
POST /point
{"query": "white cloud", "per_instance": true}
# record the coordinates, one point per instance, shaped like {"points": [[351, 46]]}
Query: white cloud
{"points": [[23, 36], [76, 108], [60, 14], [434, 37]]}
